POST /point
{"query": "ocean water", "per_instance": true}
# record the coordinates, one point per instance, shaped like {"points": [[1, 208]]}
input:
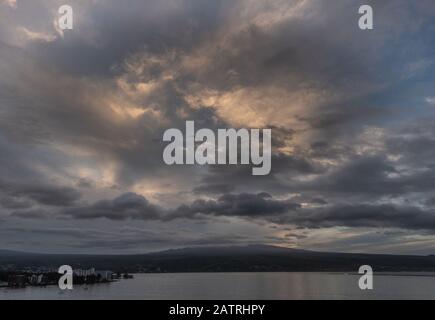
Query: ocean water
{"points": [[248, 286]]}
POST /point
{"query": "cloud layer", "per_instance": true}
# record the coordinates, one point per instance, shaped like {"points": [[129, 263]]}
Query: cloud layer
{"points": [[82, 114]]}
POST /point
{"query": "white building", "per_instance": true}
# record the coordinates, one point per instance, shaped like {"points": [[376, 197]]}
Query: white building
{"points": [[84, 273], [104, 274]]}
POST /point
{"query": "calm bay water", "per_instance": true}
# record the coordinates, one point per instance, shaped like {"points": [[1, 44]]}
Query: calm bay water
{"points": [[215, 286]]}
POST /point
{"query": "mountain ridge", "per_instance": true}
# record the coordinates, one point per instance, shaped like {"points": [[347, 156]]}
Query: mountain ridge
{"points": [[251, 258]]}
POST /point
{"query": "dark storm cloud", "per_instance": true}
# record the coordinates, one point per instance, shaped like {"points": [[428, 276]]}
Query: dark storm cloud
{"points": [[9, 202], [126, 206], [242, 176], [295, 164], [30, 214], [264, 207], [360, 175], [50, 195], [238, 205], [372, 177], [239, 178], [136, 207], [367, 215], [344, 118]]}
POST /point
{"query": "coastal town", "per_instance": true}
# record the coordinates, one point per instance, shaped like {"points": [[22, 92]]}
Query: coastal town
{"points": [[41, 277]]}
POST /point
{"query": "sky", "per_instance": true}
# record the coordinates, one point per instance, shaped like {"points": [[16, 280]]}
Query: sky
{"points": [[83, 112]]}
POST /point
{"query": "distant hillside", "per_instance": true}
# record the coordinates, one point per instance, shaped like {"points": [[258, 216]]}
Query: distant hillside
{"points": [[231, 250], [257, 258], [10, 253]]}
